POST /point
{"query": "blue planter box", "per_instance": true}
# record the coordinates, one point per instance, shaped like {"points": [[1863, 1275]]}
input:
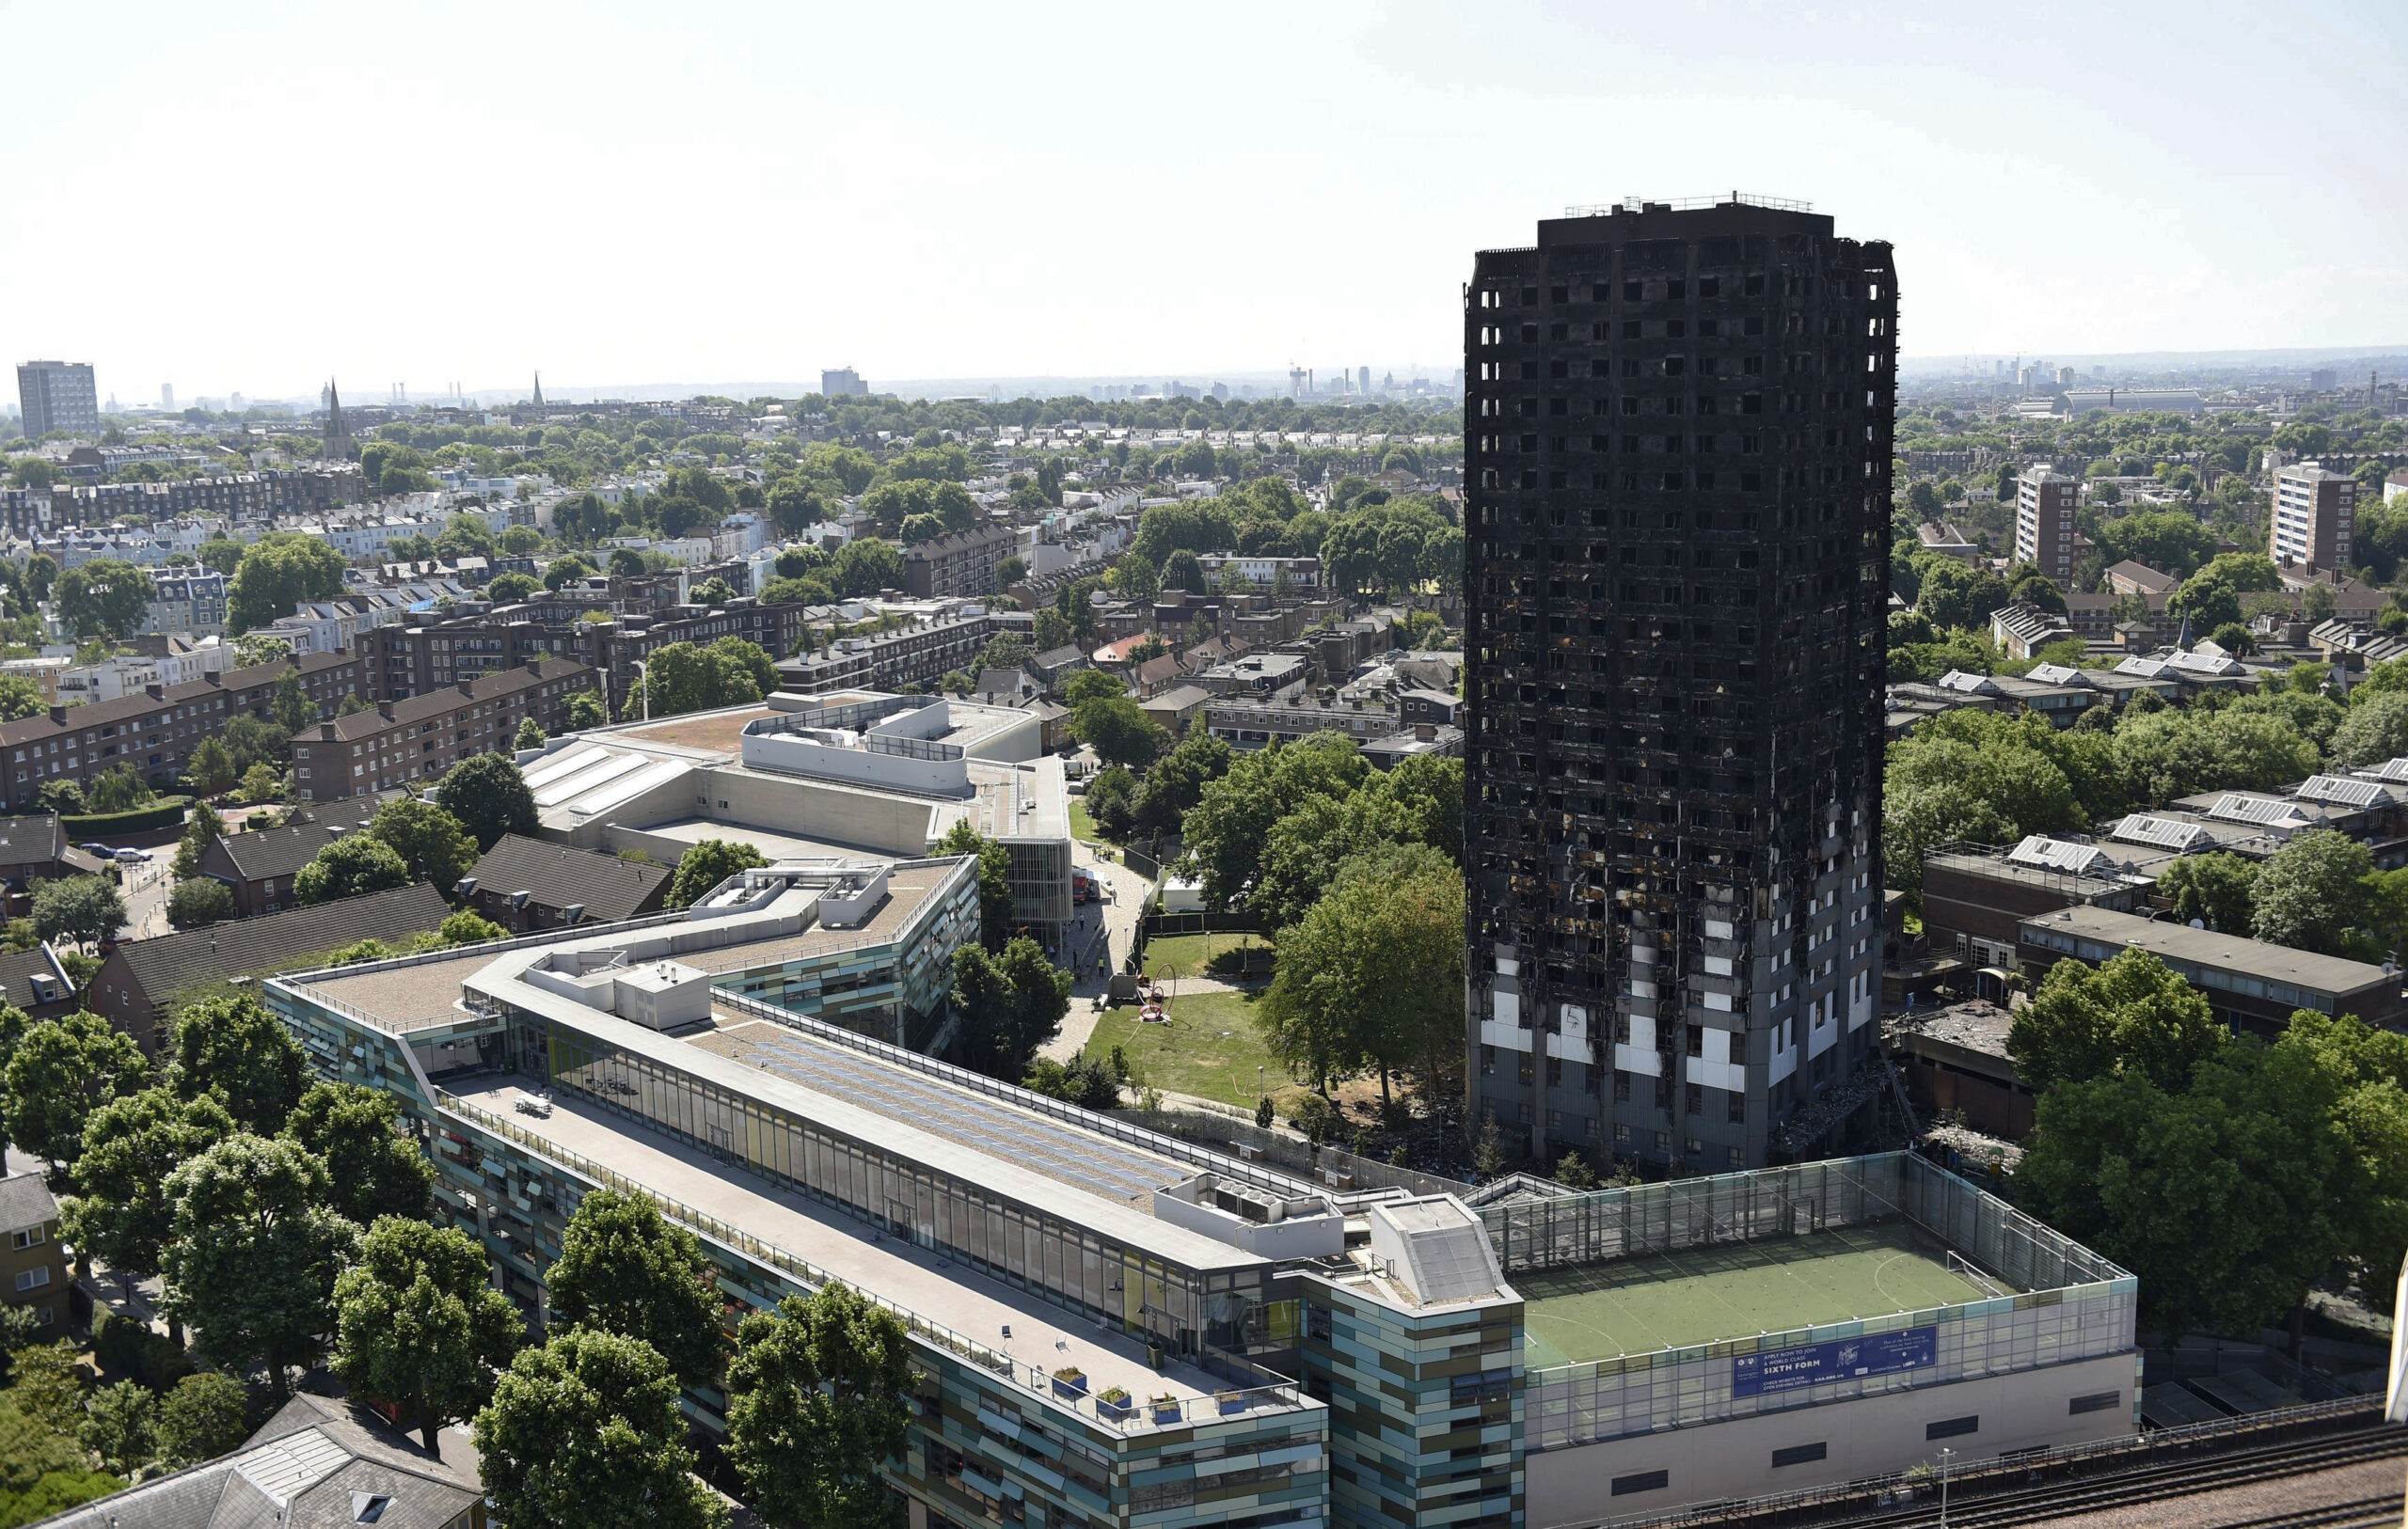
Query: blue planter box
{"points": [[1116, 1410], [1231, 1401], [1073, 1389]]}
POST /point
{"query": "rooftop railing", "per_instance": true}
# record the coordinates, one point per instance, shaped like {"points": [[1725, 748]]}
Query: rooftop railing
{"points": [[1156, 1142]]}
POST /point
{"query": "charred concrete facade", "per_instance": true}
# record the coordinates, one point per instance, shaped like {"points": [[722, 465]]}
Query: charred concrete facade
{"points": [[1678, 424]]}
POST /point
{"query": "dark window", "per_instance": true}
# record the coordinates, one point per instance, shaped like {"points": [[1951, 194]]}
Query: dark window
{"points": [[1799, 1454], [1675, 288], [1950, 1428], [1644, 1480], [2096, 1402], [1632, 291], [1530, 297]]}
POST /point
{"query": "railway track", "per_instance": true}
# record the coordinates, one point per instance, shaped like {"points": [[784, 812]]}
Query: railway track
{"points": [[2178, 1478], [1996, 1496]]}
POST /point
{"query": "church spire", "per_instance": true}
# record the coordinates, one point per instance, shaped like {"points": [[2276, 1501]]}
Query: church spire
{"points": [[539, 390], [338, 435]]}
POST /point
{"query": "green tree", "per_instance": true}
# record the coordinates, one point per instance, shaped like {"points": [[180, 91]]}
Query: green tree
{"points": [[199, 902], [2309, 894], [531, 734], [289, 706], [511, 589], [1086, 684], [2374, 732], [982, 1001], [1119, 733], [1365, 972], [490, 797], [375, 1168], [432, 844], [252, 1254], [262, 783], [203, 1416], [61, 1072], [353, 865], [212, 766], [584, 1433], [131, 1146], [62, 796], [2218, 1197], [2216, 888], [708, 863], [1040, 996], [585, 710], [1230, 826], [2130, 1015], [122, 1426], [419, 1323], [119, 790], [235, 1048], [995, 901], [625, 1268], [819, 1397], [469, 927], [104, 597], [20, 697], [279, 571]]}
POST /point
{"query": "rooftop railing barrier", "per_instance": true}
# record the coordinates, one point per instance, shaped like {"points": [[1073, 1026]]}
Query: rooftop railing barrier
{"points": [[1253, 1388], [1156, 1142]]}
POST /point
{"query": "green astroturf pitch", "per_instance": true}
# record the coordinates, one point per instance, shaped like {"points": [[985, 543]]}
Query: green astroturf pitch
{"points": [[1732, 1290]]}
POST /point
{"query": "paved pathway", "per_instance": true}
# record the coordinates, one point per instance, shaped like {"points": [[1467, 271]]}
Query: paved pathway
{"points": [[1104, 932]]}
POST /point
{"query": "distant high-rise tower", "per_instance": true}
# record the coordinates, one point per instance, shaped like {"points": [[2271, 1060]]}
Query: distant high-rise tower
{"points": [[338, 442], [1363, 380], [1676, 567], [843, 382], [2046, 501], [58, 395], [539, 390], [167, 397]]}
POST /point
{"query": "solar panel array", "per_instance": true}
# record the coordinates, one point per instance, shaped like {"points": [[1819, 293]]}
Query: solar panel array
{"points": [[2232, 807], [2056, 854], [1081, 1158], [2161, 832], [2339, 788]]}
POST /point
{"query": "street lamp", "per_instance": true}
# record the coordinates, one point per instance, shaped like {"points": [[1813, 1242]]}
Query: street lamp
{"points": [[1945, 1453]]}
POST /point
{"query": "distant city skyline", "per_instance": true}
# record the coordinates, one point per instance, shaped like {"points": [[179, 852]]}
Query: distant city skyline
{"points": [[673, 195]]}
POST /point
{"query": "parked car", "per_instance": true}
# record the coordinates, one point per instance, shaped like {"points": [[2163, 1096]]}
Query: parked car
{"points": [[134, 857], [102, 850]]}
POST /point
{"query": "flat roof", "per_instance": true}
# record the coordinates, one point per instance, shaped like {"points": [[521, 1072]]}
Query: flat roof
{"points": [[1734, 1290], [720, 733], [770, 841], [915, 1279], [405, 996], [1081, 1158], [2224, 953]]}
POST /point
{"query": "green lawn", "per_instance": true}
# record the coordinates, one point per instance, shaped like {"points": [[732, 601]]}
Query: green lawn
{"points": [[1081, 826], [1209, 1047], [1214, 955]]}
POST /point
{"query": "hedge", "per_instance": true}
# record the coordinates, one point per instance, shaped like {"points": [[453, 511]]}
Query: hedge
{"points": [[164, 812]]}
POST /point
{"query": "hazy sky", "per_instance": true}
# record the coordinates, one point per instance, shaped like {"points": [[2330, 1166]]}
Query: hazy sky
{"points": [[249, 196]]}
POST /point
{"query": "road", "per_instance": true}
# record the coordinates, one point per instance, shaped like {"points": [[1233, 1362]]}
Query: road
{"points": [[146, 889]]}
